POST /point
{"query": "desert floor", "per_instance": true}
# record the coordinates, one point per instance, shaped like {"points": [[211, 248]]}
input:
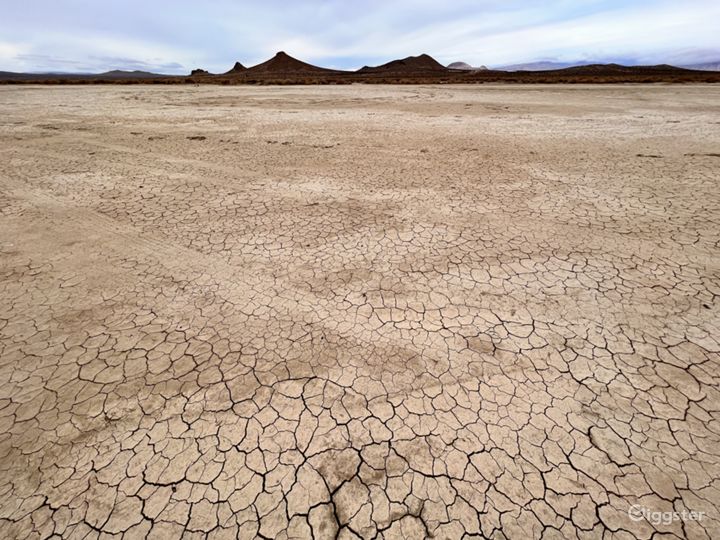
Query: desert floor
{"points": [[359, 310]]}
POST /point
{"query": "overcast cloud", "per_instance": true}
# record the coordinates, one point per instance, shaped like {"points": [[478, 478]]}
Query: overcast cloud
{"points": [[175, 36]]}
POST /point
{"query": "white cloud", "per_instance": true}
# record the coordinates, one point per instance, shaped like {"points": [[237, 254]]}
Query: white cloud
{"points": [[9, 53]]}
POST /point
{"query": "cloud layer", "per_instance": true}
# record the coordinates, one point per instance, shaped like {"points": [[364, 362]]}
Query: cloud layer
{"points": [[175, 36]]}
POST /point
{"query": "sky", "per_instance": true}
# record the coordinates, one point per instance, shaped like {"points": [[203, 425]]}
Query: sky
{"points": [[175, 36]]}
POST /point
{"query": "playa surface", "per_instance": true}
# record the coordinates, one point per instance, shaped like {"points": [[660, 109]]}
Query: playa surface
{"points": [[382, 311]]}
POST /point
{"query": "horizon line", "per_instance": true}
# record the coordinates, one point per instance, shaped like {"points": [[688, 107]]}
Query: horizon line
{"points": [[626, 62]]}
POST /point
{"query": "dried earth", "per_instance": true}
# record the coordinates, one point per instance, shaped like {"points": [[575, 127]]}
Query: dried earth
{"points": [[374, 311]]}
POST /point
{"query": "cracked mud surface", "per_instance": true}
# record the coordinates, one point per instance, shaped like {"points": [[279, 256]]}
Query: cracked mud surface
{"points": [[394, 312]]}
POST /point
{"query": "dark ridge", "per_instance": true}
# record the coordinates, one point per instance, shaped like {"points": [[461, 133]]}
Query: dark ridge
{"points": [[617, 68], [237, 68], [422, 63], [284, 63], [199, 72]]}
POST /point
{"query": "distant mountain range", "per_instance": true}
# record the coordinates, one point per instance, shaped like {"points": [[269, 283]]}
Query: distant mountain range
{"points": [[284, 69], [551, 66], [116, 74], [708, 66]]}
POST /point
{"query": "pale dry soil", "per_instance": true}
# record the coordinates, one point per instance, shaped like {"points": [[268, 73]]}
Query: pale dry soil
{"points": [[360, 311]]}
